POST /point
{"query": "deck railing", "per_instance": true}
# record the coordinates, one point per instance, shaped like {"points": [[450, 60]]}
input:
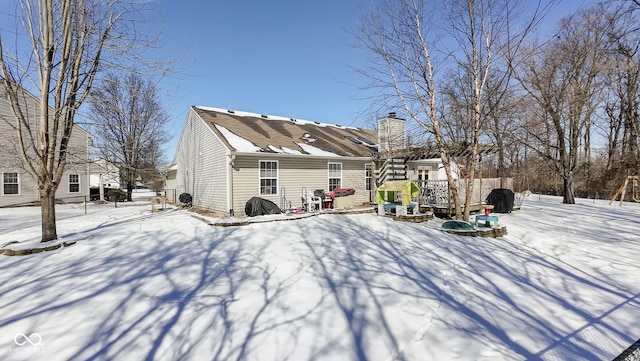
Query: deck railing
{"points": [[436, 192]]}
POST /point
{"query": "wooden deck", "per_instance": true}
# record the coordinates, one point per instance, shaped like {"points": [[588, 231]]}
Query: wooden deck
{"points": [[448, 212]]}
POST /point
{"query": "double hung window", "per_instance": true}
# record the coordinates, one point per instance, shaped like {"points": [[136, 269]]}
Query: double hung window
{"points": [[335, 176], [10, 183], [268, 177]]}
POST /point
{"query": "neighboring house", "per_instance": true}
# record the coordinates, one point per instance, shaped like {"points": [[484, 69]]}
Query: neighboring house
{"points": [[18, 187], [225, 157], [105, 173], [170, 182], [170, 175]]}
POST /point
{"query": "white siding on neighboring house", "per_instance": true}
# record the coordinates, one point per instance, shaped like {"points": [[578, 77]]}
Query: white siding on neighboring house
{"points": [[202, 162], [171, 181], [109, 172], [432, 167]]}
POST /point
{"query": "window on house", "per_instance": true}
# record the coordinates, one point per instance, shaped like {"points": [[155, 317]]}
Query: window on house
{"points": [[10, 183], [368, 177], [423, 173], [74, 183], [335, 176], [268, 177]]}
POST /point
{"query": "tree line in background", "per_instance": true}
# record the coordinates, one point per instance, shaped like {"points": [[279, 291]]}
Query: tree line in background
{"points": [[562, 109], [582, 102]]}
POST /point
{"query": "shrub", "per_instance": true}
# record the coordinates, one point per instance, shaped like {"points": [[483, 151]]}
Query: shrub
{"points": [[116, 195]]}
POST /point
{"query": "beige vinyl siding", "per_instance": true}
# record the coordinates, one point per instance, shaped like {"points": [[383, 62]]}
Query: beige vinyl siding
{"points": [[294, 173], [202, 165], [83, 177], [10, 161], [28, 189], [77, 163], [353, 176]]}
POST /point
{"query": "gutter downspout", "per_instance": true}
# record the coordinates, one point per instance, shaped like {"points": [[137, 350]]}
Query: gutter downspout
{"points": [[230, 167]]}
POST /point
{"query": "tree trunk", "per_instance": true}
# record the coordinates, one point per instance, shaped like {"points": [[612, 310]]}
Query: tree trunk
{"points": [[48, 214], [446, 163], [469, 191], [129, 191], [457, 207], [568, 191]]}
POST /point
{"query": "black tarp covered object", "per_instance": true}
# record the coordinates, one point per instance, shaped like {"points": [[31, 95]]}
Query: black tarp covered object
{"points": [[257, 206], [502, 200]]}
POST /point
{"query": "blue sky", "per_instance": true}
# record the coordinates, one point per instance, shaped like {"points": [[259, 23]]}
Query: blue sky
{"points": [[280, 57], [289, 58]]}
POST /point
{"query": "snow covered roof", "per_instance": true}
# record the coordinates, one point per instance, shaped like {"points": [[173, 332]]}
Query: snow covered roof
{"points": [[252, 133]]}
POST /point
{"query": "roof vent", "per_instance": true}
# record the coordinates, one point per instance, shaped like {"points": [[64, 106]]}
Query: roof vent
{"points": [[317, 122], [265, 116], [231, 111], [293, 120]]}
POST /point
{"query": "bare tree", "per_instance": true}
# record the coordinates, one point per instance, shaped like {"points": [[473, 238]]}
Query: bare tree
{"points": [[129, 124], [414, 55], [623, 104], [67, 41], [564, 80]]}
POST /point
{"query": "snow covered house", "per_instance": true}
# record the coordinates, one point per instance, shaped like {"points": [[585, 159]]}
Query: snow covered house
{"points": [[225, 157], [18, 187]]}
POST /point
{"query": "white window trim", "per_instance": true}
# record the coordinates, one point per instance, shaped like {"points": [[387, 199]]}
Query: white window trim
{"points": [[19, 183], [368, 180], [277, 177], [69, 184], [329, 175]]}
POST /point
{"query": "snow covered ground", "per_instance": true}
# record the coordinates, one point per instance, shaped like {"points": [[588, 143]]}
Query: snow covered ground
{"points": [[562, 285]]}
